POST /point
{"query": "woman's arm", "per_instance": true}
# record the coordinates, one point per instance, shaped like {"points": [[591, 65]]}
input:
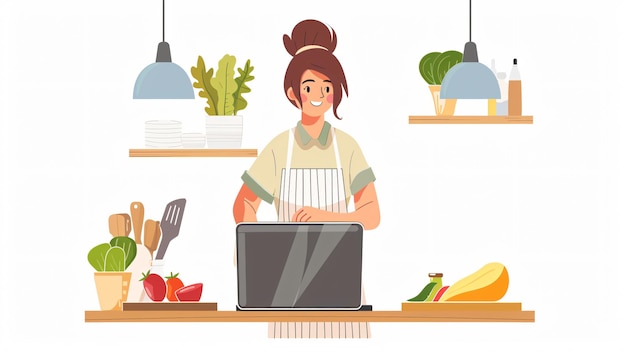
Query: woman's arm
{"points": [[366, 211], [246, 205], [244, 209]]}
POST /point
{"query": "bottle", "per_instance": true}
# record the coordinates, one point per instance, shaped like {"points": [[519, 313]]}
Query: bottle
{"points": [[437, 278], [515, 91], [492, 107], [491, 103], [502, 104]]}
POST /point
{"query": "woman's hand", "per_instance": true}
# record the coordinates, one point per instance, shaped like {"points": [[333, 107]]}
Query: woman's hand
{"points": [[310, 214], [366, 211]]}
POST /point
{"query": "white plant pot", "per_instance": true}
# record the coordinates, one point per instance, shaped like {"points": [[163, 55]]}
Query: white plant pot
{"points": [[224, 132]]}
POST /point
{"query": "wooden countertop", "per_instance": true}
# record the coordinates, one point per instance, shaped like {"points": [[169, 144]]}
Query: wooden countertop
{"points": [[435, 312]]}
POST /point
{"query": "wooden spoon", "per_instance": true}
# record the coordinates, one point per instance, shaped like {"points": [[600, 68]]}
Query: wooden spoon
{"points": [[137, 212], [152, 235]]}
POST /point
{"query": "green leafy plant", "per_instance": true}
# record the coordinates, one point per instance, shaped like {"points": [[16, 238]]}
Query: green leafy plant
{"points": [[114, 256], [223, 91], [434, 65], [244, 76]]}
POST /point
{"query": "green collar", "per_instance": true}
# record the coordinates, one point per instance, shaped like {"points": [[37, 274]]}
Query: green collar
{"points": [[305, 138]]}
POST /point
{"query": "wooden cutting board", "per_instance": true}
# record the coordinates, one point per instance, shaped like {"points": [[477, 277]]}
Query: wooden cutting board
{"points": [[461, 306], [169, 306]]}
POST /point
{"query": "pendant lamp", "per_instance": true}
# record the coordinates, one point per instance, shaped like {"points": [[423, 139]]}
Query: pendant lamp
{"points": [[163, 79], [470, 79]]}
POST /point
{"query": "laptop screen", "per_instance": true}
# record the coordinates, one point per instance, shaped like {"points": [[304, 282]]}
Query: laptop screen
{"points": [[299, 265]]}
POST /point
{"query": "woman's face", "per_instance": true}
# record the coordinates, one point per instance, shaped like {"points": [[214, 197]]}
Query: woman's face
{"points": [[316, 93]]}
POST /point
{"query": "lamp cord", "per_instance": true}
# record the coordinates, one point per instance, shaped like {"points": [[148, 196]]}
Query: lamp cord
{"points": [[164, 20], [470, 20]]}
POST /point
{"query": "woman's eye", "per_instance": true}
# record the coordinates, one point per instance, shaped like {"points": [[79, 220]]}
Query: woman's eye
{"points": [[307, 89], [328, 89]]}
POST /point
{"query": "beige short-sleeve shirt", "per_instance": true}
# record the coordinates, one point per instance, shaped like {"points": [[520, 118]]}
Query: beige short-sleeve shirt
{"points": [[263, 177]]}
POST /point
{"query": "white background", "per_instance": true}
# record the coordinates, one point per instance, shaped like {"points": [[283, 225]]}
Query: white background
{"points": [[546, 199]]}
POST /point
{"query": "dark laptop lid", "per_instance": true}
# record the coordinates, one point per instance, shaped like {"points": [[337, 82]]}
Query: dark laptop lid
{"points": [[299, 265]]}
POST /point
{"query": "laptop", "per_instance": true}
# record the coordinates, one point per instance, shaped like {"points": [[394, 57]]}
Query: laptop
{"points": [[299, 266]]}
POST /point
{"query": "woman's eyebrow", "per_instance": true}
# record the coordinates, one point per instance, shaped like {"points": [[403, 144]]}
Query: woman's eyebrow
{"points": [[313, 81]]}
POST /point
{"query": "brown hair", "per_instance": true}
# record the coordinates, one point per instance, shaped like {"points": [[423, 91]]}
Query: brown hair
{"points": [[315, 33]]}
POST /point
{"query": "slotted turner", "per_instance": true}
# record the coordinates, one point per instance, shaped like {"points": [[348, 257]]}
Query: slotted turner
{"points": [[170, 224]]}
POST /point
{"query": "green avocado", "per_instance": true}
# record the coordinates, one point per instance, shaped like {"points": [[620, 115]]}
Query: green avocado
{"points": [[423, 295]]}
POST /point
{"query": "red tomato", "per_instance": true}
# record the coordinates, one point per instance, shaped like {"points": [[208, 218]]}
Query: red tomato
{"points": [[154, 285], [191, 292], [173, 283]]}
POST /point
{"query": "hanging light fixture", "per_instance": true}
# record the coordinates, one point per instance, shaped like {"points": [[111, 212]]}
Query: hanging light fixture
{"points": [[470, 79], [163, 79]]}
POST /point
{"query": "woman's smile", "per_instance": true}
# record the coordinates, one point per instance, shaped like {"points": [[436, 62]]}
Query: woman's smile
{"points": [[316, 103]]}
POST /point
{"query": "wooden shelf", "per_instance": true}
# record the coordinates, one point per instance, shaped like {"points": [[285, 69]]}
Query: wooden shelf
{"points": [[192, 152], [506, 314], [470, 119]]}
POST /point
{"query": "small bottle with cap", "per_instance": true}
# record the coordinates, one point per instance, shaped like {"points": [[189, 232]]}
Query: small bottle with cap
{"points": [[438, 279], [515, 91]]}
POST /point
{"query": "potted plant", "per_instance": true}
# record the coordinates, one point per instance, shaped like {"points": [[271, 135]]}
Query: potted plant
{"points": [[224, 95], [110, 260], [433, 67]]}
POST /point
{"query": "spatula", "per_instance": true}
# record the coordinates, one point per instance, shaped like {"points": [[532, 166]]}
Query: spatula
{"points": [[170, 224], [136, 213]]}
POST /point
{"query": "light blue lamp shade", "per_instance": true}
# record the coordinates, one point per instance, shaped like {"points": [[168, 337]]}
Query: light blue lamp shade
{"points": [[163, 79], [470, 79]]}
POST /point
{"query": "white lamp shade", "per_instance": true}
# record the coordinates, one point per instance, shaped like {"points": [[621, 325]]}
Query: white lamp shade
{"points": [[163, 80]]}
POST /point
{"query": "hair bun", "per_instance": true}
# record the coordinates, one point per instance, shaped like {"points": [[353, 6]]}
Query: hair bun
{"points": [[311, 33]]}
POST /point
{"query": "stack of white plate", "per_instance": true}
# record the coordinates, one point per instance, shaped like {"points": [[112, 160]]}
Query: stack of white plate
{"points": [[194, 140], [163, 134]]}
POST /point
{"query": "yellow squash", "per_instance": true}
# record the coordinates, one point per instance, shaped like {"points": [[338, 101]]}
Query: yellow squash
{"points": [[489, 283]]}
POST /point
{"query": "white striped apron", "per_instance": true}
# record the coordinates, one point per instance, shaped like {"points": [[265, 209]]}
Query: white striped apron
{"points": [[321, 188]]}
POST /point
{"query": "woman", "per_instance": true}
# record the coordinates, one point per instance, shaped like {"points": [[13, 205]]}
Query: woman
{"points": [[314, 159]]}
